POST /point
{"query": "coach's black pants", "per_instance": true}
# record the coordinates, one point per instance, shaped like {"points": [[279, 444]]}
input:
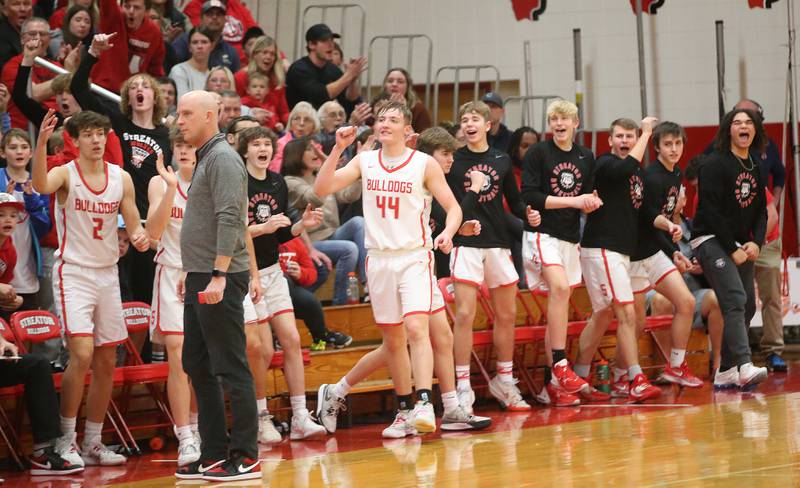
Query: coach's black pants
{"points": [[34, 372], [214, 357], [734, 288]]}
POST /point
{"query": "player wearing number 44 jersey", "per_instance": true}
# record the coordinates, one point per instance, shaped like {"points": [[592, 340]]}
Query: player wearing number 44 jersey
{"points": [[90, 193], [398, 184], [485, 258], [331, 398]]}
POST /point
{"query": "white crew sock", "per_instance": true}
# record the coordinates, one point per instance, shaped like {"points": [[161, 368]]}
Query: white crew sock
{"points": [[676, 357]]}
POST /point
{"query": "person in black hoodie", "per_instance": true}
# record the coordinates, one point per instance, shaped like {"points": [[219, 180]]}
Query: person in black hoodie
{"points": [[729, 229]]}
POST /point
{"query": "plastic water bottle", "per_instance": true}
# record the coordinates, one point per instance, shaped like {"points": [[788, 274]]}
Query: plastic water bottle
{"points": [[353, 293], [602, 376]]}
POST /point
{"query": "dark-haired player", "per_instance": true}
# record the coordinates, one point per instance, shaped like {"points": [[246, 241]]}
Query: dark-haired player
{"points": [[269, 226], [90, 194], [656, 256]]}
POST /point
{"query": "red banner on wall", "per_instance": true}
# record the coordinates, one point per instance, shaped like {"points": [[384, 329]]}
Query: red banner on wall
{"points": [[648, 6], [760, 3], [528, 9]]}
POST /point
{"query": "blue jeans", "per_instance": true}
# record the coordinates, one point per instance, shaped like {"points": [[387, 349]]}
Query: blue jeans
{"points": [[346, 249]]}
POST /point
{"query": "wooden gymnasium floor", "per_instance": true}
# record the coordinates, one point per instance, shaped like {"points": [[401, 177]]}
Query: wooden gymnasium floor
{"points": [[689, 438]]}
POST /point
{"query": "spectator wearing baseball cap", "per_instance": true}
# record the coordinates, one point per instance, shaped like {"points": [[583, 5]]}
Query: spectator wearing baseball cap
{"points": [[213, 15], [499, 136], [237, 20], [315, 79]]}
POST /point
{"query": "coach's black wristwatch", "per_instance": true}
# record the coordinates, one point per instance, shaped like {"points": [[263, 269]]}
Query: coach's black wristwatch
{"points": [[218, 274]]}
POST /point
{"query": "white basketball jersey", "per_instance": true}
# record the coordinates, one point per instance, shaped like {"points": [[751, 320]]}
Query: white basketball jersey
{"points": [[169, 247], [87, 222], [397, 206]]}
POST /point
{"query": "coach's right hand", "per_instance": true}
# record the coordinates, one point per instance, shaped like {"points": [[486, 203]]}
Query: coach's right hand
{"points": [[214, 290]]}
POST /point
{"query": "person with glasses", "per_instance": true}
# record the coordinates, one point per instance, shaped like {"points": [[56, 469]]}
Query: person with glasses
{"points": [[32, 28]]}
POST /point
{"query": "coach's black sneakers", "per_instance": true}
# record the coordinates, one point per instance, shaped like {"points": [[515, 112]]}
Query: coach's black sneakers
{"points": [[49, 462], [237, 468], [196, 470]]}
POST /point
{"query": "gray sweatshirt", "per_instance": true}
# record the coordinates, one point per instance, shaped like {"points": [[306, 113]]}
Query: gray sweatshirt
{"points": [[214, 221]]}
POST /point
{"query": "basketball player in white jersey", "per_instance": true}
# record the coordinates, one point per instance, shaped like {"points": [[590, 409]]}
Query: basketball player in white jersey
{"points": [[90, 194], [331, 398], [398, 184], [167, 195]]}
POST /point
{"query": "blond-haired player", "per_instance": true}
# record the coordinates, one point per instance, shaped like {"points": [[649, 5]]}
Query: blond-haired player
{"points": [[557, 181]]}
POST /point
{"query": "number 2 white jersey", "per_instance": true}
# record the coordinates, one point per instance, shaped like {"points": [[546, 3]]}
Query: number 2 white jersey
{"points": [[169, 247], [397, 206], [87, 221]]}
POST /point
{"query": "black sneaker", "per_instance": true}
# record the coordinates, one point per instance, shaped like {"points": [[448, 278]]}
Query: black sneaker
{"points": [[337, 340], [237, 468], [196, 470], [49, 462]]}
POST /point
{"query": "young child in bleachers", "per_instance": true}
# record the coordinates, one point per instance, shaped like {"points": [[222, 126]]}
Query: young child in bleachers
{"points": [[10, 208], [16, 180], [257, 91]]}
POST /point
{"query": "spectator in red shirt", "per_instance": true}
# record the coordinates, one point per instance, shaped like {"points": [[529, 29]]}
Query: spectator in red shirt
{"points": [[238, 20], [33, 28], [258, 97], [9, 209], [145, 42], [296, 264], [264, 60], [138, 40]]}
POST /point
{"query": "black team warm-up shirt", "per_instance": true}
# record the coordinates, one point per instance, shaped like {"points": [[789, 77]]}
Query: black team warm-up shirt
{"points": [[140, 146], [732, 203], [614, 225], [438, 220], [266, 198], [547, 170], [489, 209], [661, 188]]}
